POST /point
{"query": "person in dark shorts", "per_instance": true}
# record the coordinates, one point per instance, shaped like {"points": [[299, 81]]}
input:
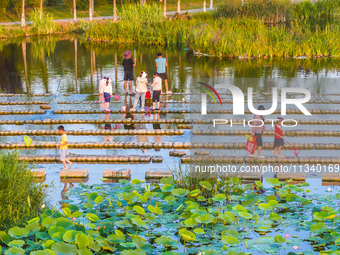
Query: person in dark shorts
{"points": [[157, 89], [258, 129], [128, 65], [278, 139], [161, 65]]}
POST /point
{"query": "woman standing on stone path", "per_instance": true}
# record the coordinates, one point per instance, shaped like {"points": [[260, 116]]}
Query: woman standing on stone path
{"points": [[141, 90]]}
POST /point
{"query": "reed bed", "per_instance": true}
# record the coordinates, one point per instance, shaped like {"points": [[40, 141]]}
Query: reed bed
{"points": [[211, 34]]}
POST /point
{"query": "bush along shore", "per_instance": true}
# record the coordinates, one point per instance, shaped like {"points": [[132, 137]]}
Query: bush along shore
{"points": [[223, 34]]}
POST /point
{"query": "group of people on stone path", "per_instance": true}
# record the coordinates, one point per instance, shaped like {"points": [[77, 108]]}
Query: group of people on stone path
{"points": [[105, 85]]}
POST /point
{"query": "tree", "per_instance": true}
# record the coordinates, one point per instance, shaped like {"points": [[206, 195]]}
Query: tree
{"points": [[23, 23], [179, 7], [41, 8], [211, 5], [164, 8], [75, 11], [114, 10], [90, 9], [69, 5], [204, 5]]}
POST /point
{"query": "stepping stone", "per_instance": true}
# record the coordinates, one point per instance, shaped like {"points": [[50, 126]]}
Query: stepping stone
{"points": [[293, 176], [177, 153], [74, 180], [45, 106], [330, 177], [157, 173], [157, 159], [39, 172], [111, 173], [74, 173]]}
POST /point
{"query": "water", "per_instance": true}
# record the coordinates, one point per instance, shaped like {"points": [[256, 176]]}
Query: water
{"points": [[38, 65]]}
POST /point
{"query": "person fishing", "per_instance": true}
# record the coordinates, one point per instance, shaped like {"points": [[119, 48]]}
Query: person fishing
{"points": [[141, 90], [257, 131], [128, 65], [278, 138], [106, 91]]}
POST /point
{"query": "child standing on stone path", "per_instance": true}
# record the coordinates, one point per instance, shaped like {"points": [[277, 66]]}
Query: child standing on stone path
{"points": [[63, 147], [278, 139], [157, 89]]}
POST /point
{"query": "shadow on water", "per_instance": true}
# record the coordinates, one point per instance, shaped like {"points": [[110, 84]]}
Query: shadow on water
{"points": [[36, 64]]}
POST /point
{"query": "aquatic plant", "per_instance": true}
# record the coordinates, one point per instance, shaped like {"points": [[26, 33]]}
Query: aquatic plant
{"points": [[135, 218], [44, 24], [20, 197]]}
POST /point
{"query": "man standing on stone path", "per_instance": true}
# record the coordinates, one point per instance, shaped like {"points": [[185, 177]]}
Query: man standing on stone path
{"points": [[161, 65], [128, 65]]}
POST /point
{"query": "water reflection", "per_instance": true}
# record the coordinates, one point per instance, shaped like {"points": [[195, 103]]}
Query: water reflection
{"points": [[36, 65]]}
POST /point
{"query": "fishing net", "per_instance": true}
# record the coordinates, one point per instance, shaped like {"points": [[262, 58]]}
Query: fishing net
{"points": [[27, 140]]}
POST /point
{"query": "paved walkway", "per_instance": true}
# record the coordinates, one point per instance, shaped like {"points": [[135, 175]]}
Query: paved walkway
{"points": [[97, 18]]}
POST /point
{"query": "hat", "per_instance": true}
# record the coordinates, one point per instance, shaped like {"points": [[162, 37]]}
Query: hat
{"points": [[127, 54]]}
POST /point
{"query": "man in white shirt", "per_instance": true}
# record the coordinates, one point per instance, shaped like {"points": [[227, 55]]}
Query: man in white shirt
{"points": [[157, 89]]}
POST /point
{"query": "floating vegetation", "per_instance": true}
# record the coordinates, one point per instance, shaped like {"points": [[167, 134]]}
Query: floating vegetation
{"points": [[218, 217]]}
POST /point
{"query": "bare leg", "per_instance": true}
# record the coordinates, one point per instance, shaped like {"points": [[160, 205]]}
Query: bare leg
{"points": [[154, 105], [130, 86], [64, 163], [274, 151], [259, 148], [279, 151], [158, 105], [125, 83], [68, 162], [166, 85]]}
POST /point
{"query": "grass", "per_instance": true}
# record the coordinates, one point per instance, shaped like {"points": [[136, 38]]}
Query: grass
{"points": [[20, 197], [61, 12]]}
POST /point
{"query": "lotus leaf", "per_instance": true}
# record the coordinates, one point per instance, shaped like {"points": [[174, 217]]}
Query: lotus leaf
{"points": [[219, 197], [180, 192], [84, 251], [166, 241], [265, 207], [187, 235], [139, 209], [275, 217], [194, 192], [318, 227], [92, 217], [136, 182], [190, 223], [230, 240], [227, 216], [69, 236], [273, 182], [40, 253], [205, 218], [133, 252], [279, 239], [16, 243], [155, 210], [17, 232], [64, 248], [99, 199], [168, 188], [15, 251], [91, 197], [139, 222], [245, 215]]}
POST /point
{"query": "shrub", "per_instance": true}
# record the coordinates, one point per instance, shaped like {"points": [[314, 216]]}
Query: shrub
{"points": [[20, 197], [267, 10], [141, 14], [45, 24]]}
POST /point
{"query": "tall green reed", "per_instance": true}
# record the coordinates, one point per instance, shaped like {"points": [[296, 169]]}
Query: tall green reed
{"points": [[20, 197]]}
